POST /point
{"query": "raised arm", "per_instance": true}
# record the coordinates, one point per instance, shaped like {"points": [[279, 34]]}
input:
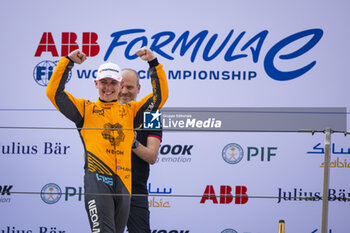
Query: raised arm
{"points": [[69, 106], [159, 95]]}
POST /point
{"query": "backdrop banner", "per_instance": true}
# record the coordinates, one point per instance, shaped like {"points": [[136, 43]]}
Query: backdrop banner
{"points": [[246, 79]]}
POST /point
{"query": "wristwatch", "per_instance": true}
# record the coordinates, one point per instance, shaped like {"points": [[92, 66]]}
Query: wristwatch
{"points": [[135, 144]]}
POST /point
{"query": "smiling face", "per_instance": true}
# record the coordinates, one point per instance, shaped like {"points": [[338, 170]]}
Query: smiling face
{"points": [[108, 89], [130, 86]]}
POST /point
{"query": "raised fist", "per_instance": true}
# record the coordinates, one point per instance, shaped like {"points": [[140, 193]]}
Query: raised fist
{"points": [[77, 56], [145, 54]]}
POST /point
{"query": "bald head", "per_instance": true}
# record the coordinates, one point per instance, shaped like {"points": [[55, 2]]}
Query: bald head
{"points": [[131, 74], [130, 86]]}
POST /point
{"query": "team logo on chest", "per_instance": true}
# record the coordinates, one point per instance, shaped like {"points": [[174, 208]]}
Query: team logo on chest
{"points": [[98, 111], [111, 131], [122, 112]]}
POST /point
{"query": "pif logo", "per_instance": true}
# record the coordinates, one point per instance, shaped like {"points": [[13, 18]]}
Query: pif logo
{"points": [[233, 153], [226, 196], [68, 44], [51, 193]]}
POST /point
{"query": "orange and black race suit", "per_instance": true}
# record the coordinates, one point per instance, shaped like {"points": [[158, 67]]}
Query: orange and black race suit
{"points": [[100, 125]]}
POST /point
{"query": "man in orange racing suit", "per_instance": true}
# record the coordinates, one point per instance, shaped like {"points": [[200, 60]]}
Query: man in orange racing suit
{"points": [[107, 147]]}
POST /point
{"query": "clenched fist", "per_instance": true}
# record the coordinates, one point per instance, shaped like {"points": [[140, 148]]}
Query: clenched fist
{"points": [[145, 54], [77, 56]]}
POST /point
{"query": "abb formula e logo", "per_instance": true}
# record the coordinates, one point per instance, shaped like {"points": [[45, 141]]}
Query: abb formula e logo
{"points": [[225, 196], [68, 44], [203, 45]]}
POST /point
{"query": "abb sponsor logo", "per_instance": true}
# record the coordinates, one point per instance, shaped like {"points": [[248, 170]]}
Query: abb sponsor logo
{"points": [[226, 196], [69, 43]]}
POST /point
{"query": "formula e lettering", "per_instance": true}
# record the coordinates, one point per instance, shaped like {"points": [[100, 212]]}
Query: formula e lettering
{"points": [[233, 46], [56, 149]]}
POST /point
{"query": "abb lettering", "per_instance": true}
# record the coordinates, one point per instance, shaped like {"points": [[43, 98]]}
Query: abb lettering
{"points": [[226, 196], [68, 44]]}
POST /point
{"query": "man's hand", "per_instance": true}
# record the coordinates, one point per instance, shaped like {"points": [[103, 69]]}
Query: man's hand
{"points": [[77, 56], [145, 54], [135, 135]]}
